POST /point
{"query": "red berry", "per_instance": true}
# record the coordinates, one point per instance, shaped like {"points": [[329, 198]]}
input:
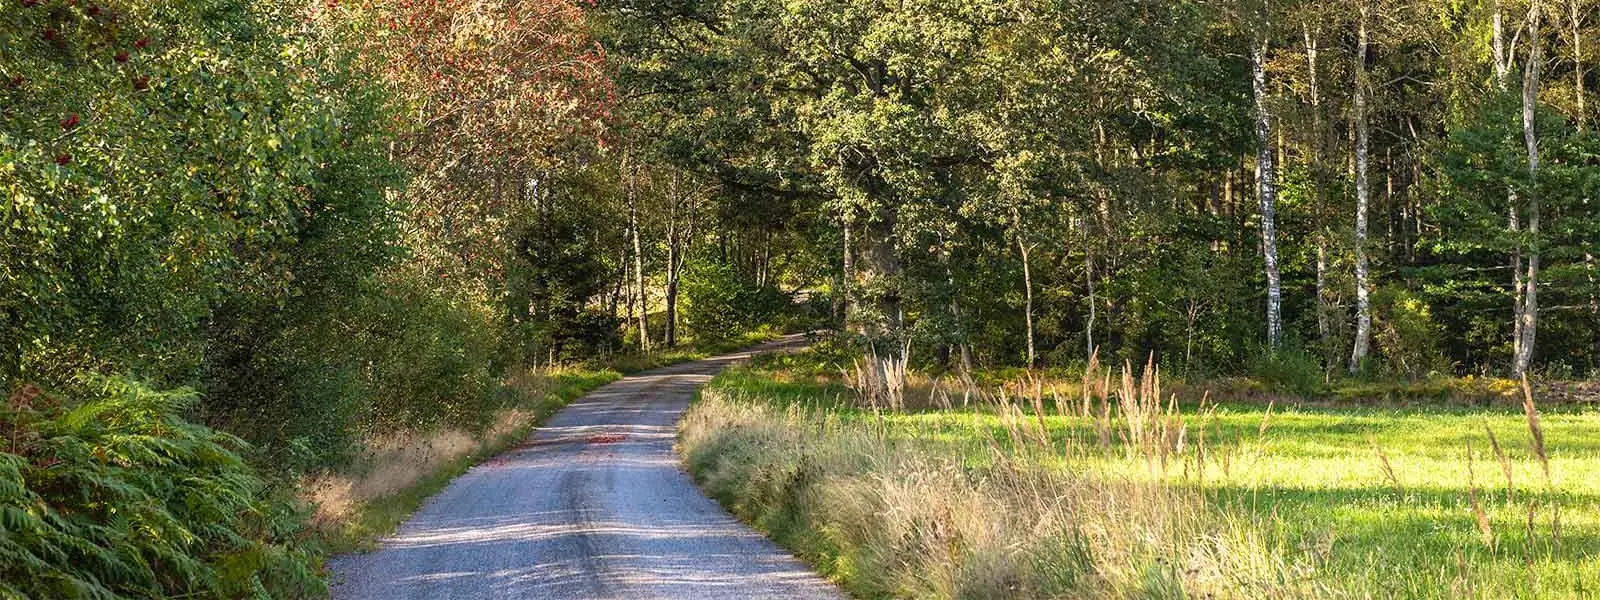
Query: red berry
{"points": [[122, 56], [70, 122], [63, 159], [142, 43]]}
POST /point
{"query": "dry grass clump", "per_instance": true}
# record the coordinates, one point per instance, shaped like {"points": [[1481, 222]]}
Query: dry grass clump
{"points": [[889, 517]]}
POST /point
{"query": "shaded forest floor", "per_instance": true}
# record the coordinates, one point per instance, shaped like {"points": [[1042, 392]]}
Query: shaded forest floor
{"points": [[1234, 498]]}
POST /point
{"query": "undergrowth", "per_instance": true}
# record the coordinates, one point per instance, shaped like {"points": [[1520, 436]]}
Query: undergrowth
{"points": [[111, 494]]}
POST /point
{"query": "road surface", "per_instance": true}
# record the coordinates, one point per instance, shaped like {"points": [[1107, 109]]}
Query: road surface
{"points": [[593, 506]]}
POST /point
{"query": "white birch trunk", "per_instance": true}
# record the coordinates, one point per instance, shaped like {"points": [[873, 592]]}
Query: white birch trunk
{"points": [[1267, 191], [1528, 316], [1363, 299]]}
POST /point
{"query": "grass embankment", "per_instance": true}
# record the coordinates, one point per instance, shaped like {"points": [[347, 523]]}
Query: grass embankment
{"points": [[1026, 499], [395, 474]]}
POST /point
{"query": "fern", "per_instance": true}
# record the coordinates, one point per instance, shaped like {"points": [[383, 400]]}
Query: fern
{"points": [[117, 496]]}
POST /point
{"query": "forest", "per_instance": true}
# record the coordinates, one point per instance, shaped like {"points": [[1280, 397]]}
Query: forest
{"points": [[273, 272]]}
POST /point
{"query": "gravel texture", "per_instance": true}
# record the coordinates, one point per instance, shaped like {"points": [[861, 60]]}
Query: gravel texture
{"points": [[594, 505]]}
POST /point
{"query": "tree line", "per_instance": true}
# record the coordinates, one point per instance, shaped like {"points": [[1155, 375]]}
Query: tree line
{"points": [[1376, 187]]}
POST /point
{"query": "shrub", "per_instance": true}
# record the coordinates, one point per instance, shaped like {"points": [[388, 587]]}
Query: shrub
{"points": [[721, 304], [119, 497], [1289, 369], [1406, 334]]}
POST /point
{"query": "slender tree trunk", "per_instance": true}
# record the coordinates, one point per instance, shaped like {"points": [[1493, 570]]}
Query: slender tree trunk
{"points": [[638, 260], [1502, 76], [1324, 327], [1267, 191], [674, 266], [1529, 315], [1575, 29], [1363, 300], [847, 291], [1088, 276], [1027, 293]]}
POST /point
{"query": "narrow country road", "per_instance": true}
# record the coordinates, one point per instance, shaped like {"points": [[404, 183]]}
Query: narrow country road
{"points": [[595, 506]]}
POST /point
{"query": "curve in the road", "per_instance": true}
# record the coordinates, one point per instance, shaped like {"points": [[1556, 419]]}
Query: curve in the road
{"points": [[593, 506]]}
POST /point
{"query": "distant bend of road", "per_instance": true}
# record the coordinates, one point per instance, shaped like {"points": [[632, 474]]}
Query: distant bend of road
{"points": [[594, 506]]}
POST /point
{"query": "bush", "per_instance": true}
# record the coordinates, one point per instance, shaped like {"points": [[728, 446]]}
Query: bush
{"points": [[118, 497], [721, 304], [1406, 334], [1291, 370]]}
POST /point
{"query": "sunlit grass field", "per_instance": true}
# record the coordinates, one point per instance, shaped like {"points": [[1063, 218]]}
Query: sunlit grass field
{"points": [[1363, 501]]}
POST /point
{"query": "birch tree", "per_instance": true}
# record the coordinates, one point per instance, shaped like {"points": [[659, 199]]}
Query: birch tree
{"points": [[1528, 310], [1266, 180], [1363, 300]]}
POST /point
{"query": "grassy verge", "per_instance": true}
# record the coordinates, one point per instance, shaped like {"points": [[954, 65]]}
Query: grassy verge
{"points": [[395, 475], [1023, 498]]}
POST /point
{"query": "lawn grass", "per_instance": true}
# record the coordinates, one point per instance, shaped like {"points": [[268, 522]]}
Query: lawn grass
{"points": [[1304, 486]]}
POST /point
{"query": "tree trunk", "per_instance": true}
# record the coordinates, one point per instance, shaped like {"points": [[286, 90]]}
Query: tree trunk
{"points": [[1502, 71], [638, 259], [882, 272], [847, 291], [1088, 276], [1027, 294], [1267, 191], [669, 336], [1528, 316], [1324, 327], [884, 316], [1575, 24], [1363, 299]]}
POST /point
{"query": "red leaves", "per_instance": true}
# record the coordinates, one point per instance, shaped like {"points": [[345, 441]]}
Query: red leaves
{"points": [[50, 34], [121, 57], [141, 83], [30, 3], [142, 43], [63, 159], [70, 122]]}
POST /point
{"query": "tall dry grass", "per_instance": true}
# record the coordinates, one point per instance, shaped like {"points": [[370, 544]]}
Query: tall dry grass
{"points": [[398, 469], [1120, 511], [890, 517]]}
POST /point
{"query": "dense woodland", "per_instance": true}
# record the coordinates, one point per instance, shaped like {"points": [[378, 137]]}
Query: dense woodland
{"points": [[306, 224], [1375, 187]]}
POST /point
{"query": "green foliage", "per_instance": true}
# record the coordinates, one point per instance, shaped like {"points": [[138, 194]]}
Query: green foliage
{"points": [[160, 159], [1406, 334], [1484, 176], [556, 265], [722, 303], [112, 495], [1290, 370]]}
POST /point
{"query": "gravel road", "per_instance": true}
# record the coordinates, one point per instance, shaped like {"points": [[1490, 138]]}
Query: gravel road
{"points": [[595, 505]]}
